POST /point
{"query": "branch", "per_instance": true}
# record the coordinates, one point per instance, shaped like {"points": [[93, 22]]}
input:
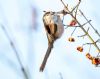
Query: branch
{"points": [[92, 43], [15, 50], [90, 24], [61, 77], [89, 36], [84, 34], [76, 7]]}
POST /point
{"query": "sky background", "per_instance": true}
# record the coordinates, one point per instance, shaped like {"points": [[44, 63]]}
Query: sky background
{"points": [[17, 18]]}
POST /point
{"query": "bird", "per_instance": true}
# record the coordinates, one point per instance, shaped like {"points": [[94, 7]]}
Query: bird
{"points": [[54, 29]]}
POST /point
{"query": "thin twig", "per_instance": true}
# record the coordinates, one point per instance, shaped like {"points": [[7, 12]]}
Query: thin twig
{"points": [[78, 25], [76, 7], [73, 31], [15, 50], [84, 34], [76, 11], [87, 22], [90, 48], [91, 43], [65, 6]]}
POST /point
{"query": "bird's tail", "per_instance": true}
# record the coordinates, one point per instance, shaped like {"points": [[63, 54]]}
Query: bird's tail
{"points": [[46, 56]]}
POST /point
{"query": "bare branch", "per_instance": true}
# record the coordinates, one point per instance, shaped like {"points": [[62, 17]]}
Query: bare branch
{"points": [[90, 23], [15, 50], [84, 34], [92, 43], [76, 7], [61, 77], [89, 36], [73, 31]]}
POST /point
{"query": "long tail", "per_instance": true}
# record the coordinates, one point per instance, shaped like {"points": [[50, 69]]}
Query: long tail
{"points": [[46, 56]]}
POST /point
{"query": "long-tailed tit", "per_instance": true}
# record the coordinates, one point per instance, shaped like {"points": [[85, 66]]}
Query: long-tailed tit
{"points": [[54, 29]]}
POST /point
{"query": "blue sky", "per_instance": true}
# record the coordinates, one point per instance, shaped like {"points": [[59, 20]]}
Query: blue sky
{"points": [[31, 45]]}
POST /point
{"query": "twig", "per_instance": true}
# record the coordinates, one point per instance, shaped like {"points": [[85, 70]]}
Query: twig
{"points": [[90, 48], [84, 34], [73, 31], [91, 43], [78, 25], [15, 50], [98, 40], [60, 75], [76, 7], [87, 22], [66, 7], [90, 24], [84, 30], [88, 43]]}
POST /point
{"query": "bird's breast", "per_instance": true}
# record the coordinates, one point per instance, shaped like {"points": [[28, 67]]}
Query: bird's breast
{"points": [[60, 30], [60, 27]]}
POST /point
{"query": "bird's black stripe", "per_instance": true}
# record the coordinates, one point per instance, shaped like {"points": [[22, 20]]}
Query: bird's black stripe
{"points": [[55, 28], [48, 29]]}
